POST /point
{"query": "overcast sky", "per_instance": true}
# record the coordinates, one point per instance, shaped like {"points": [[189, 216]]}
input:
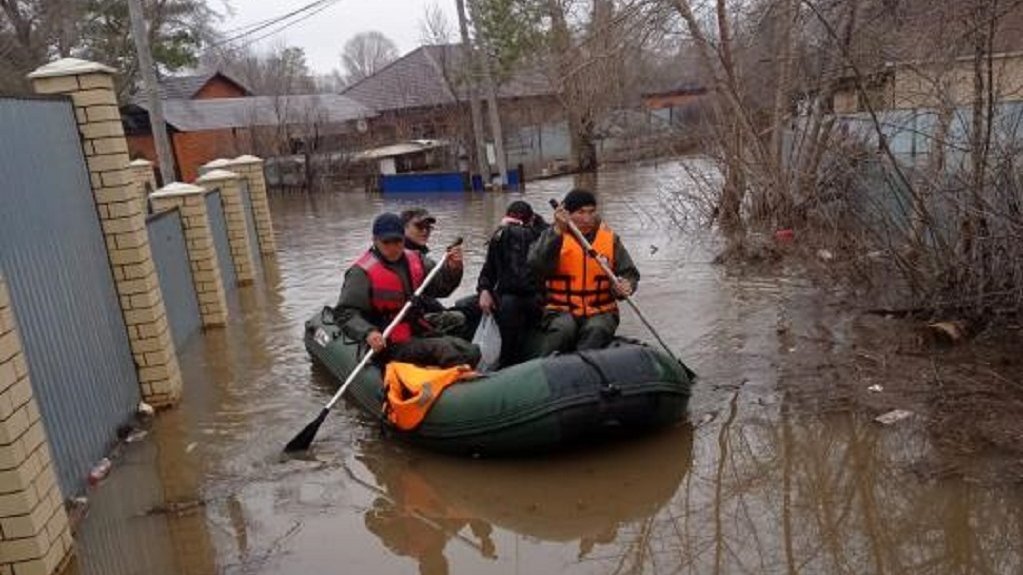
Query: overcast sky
{"points": [[323, 34]]}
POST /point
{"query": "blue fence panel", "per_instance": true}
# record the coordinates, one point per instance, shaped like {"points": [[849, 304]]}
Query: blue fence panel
{"points": [[420, 183], [53, 256], [170, 254], [250, 226], [218, 226]]}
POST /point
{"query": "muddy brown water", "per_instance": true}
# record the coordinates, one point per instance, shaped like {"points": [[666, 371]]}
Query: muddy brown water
{"points": [[777, 470]]}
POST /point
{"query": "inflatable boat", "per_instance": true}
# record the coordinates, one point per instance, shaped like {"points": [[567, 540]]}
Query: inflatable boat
{"points": [[536, 406]]}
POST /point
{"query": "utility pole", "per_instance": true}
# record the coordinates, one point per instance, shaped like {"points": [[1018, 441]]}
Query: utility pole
{"points": [[495, 116], [156, 122], [474, 104]]}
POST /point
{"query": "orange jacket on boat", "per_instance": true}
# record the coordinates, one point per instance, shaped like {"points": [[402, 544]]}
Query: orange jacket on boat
{"points": [[411, 390], [578, 285]]}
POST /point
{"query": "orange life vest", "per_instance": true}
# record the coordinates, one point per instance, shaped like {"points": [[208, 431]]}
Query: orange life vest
{"points": [[578, 285], [411, 390], [387, 293]]}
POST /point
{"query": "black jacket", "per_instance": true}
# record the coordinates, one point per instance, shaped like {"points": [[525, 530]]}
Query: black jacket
{"points": [[506, 270]]}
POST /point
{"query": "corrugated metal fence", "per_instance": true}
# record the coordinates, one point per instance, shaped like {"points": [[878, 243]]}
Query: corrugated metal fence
{"points": [[54, 258], [250, 225], [218, 226], [167, 240]]}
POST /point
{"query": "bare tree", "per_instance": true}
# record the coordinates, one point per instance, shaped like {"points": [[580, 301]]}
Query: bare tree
{"points": [[366, 53], [434, 27]]}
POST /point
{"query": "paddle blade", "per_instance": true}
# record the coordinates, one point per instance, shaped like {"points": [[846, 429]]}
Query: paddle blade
{"points": [[304, 439]]}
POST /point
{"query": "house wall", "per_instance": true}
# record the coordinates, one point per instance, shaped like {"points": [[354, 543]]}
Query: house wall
{"points": [[218, 87], [916, 87], [191, 150], [661, 101], [932, 86]]}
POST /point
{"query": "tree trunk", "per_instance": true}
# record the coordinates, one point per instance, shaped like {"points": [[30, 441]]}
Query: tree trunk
{"points": [[482, 166]]}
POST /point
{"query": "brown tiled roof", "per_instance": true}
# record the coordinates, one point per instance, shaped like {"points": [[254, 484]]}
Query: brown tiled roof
{"points": [[432, 76]]}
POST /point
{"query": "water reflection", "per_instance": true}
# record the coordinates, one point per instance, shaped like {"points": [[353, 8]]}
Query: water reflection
{"points": [[776, 477], [582, 499]]}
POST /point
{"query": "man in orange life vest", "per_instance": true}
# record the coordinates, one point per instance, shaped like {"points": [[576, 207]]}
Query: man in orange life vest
{"points": [[581, 311], [378, 285]]}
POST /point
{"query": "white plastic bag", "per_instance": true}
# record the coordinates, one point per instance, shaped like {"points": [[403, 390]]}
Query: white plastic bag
{"points": [[488, 337]]}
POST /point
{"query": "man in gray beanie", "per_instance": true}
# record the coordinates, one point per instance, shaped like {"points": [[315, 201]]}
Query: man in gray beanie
{"points": [[581, 309]]}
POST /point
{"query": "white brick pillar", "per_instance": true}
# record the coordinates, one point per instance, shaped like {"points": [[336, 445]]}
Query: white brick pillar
{"points": [[122, 219], [251, 168], [34, 533], [144, 178], [234, 214]]}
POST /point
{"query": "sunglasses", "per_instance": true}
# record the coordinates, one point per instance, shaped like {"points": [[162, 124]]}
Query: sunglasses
{"points": [[424, 226]]}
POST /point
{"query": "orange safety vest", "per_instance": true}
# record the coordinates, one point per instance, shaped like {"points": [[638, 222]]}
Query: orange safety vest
{"points": [[578, 285], [387, 294], [411, 390]]}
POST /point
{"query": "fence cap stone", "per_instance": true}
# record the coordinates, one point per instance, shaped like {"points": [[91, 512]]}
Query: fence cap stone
{"points": [[218, 163], [176, 189], [217, 175], [246, 159], [140, 163], [69, 67]]}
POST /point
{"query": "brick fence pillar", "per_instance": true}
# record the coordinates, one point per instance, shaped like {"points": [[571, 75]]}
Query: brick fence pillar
{"points": [[234, 214], [144, 178], [122, 218], [251, 168], [202, 254], [34, 534]]}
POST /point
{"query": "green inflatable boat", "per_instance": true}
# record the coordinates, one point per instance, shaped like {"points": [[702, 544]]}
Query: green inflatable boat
{"points": [[535, 406]]}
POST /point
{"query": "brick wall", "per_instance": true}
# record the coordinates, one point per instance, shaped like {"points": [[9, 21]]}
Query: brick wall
{"points": [[193, 149]]}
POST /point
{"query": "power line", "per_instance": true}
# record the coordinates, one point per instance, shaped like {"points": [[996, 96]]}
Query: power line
{"points": [[317, 6], [326, 4]]}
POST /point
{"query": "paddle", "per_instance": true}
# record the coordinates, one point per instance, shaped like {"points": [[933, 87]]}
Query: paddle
{"points": [[588, 248], [304, 439]]}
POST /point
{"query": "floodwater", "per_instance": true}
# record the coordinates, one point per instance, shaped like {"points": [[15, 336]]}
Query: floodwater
{"points": [[774, 473]]}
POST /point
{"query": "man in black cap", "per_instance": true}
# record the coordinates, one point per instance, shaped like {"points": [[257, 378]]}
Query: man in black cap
{"points": [[376, 288], [419, 225], [507, 286], [581, 310]]}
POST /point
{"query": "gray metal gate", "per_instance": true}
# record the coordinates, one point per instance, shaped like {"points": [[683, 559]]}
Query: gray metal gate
{"points": [[167, 240], [54, 258], [250, 226], [218, 226]]}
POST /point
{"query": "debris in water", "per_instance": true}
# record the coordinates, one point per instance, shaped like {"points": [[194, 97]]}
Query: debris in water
{"points": [[950, 331], [190, 447], [136, 435], [177, 507], [825, 255], [145, 409], [876, 388], [100, 470], [893, 416]]}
